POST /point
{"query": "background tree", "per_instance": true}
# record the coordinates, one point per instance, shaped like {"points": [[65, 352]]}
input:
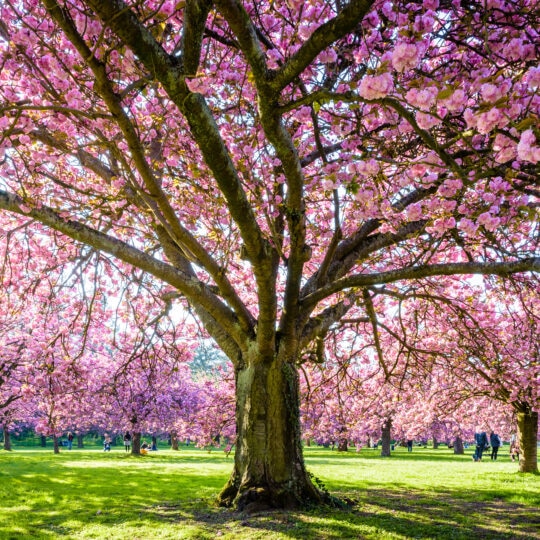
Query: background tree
{"points": [[273, 163]]}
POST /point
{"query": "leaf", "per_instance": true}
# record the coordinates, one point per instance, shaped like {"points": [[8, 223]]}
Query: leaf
{"points": [[446, 93], [526, 123]]}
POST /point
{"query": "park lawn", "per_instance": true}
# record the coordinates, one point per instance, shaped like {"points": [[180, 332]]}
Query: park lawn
{"points": [[425, 494]]}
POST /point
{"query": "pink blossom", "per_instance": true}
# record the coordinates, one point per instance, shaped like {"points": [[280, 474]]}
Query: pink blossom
{"points": [[514, 49], [424, 23], [488, 221], [414, 212], [197, 84], [532, 78], [505, 147], [423, 99], [328, 56], [468, 226], [405, 56], [488, 121], [376, 86], [527, 149], [441, 225], [426, 120], [491, 92]]}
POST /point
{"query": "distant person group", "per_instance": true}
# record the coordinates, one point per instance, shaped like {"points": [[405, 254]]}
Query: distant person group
{"points": [[483, 443]]}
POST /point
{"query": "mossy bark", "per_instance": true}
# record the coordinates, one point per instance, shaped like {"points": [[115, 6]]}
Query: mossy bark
{"points": [[458, 446], [136, 443], [269, 469], [527, 421], [56, 446], [7, 439], [386, 439]]}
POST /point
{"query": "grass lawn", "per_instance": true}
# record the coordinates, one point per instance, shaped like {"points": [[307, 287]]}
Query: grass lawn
{"points": [[425, 494]]}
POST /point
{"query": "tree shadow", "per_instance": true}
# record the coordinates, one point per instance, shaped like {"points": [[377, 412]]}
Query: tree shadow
{"points": [[377, 513]]}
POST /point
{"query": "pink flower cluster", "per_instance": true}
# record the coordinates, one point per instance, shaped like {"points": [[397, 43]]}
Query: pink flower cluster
{"points": [[405, 56], [376, 86], [527, 148]]}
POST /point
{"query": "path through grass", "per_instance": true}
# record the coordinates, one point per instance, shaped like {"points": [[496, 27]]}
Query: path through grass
{"points": [[169, 495]]}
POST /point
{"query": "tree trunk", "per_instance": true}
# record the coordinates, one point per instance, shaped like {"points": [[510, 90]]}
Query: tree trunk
{"points": [[174, 441], [435, 443], [136, 443], [43, 441], [386, 437], [56, 446], [528, 434], [269, 470], [343, 445], [458, 446], [80, 442], [7, 439]]}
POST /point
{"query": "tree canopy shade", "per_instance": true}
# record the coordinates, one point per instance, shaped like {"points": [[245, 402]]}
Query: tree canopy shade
{"points": [[274, 164]]}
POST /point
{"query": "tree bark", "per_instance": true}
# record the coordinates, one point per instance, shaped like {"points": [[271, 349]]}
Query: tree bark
{"points": [[7, 439], [136, 443], [174, 441], [56, 446], [80, 441], [386, 437], [343, 445], [269, 470], [458, 446], [435, 443], [527, 421]]}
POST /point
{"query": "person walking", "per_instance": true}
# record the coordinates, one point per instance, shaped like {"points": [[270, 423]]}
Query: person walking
{"points": [[127, 441], [409, 445], [481, 440], [495, 442]]}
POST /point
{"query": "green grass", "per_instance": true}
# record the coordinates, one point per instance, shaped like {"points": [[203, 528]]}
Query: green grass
{"points": [[425, 494]]}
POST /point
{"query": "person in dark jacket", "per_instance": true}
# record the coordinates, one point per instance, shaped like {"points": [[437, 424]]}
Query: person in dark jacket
{"points": [[495, 442], [481, 440]]}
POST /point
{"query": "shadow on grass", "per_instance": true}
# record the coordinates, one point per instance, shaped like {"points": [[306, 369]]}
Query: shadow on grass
{"points": [[44, 496], [379, 513]]}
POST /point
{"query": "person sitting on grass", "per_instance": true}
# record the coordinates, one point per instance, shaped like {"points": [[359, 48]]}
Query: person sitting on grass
{"points": [[107, 443], [144, 448]]}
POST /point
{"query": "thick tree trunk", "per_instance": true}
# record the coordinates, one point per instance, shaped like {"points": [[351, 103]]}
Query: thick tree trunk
{"points": [[458, 446], [386, 437], [80, 441], [56, 446], [435, 443], [136, 443], [343, 445], [528, 434], [269, 470], [7, 439], [174, 441]]}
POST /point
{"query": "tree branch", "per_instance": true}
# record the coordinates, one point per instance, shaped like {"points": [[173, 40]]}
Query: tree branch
{"points": [[531, 264]]}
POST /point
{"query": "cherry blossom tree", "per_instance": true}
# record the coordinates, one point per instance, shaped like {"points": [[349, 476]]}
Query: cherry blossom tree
{"points": [[271, 165]]}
